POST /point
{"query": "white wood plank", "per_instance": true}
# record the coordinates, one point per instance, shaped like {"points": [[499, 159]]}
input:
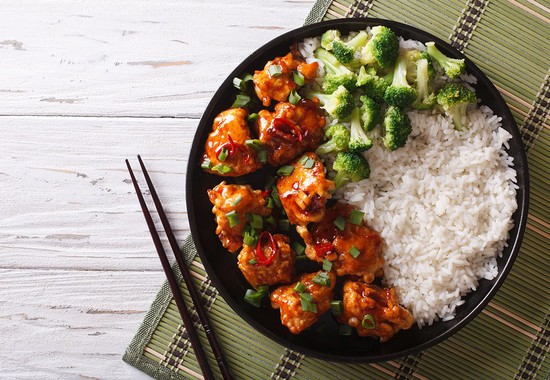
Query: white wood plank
{"points": [[138, 58]]}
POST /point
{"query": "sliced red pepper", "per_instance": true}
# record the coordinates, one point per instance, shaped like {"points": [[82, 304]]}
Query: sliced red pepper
{"points": [[261, 259], [287, 128], [266, 192], [323, 249], [231, 148]]}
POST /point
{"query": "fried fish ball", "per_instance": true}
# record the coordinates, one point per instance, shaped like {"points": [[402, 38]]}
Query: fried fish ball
{"points": [[226, 147], [275, 81], [353, 250], [289, 301], [290, 130], [231, 204], [373, 311], [305, 191], [277, 268]]}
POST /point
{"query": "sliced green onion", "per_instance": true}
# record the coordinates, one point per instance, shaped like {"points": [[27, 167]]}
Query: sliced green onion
{"points": [[206, 164], [269, 202], [340, 223], [232, 218], [337, 307], [285, 170], [298, 248], [249, 239], [294, 97], [237, 200], [306, 297], [262, 156], [256, 221], [252, 117], [298, 78], [310, 162], [252, 262], [356, 217], [254, 297], [301, 257], [222, 156], [308, 306], [322, 279], [368, 322], [327, 265], [241, 100], [303, 159], [299, 288], [275, 196], [241, 83], [345, 330], [284, 225], [263, 288], [270, 220], [222, 169], [275, 70], [254, 144], [354, 252]]}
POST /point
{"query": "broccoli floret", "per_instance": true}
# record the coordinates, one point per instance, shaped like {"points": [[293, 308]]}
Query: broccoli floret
{"points": [[370, 112], [411, 56], [339, 104], [382, 48], [453, 67], [345, 51], [373, 85], [396, 128], [431, 69], [425, 98], [358, 141], [400, 93], [337, 137], [336, 74], [454, 99], [329, 37], [350, 166]]}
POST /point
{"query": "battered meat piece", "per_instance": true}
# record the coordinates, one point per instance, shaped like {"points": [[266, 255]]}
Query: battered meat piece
{"points": [[373, 311], [229, 133], [305, 191], [239, 199], [290, 130], [290, 304], [278, 270], [275, 81], [324, 240]]}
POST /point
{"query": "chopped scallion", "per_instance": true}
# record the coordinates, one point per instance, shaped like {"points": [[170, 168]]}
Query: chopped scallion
{"points": [[284, 225], [354, 252], [337, 307], [256, 221], [241, 100], [249, 239], [310, 162], [298, 248], [327, 265], [252, 117], [298, 78], [306, 297], [299, 288], [206, 164], [237, 200], [222, 169], [270, 220], [368, 322], [275, 196], [294, 97], [252, 262], [356, 217], [308, 306], [322, 279], [269, 202], [232, 218], [262, 156], [275, 70], [303, 159], [285, 170], [241, 83], [254, 297], [222, 156], [254, 144], [340, 223]]}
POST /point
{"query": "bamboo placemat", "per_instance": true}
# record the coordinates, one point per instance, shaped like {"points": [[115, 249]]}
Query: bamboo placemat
{"points": [[509, 40]]}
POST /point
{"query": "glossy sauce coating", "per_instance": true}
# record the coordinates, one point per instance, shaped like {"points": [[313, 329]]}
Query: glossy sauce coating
{"points": [[271, 84], [367, 264], [239, 198], [289, 302], [231, 123], [279, 271], [277, 130], [305, 191], [386, 315]]}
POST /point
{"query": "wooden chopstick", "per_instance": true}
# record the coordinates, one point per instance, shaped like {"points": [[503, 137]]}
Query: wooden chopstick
{"points": [[185, 316]]}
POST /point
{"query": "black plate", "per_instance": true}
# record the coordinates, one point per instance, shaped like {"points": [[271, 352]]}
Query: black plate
{"points": [[221, 265]]}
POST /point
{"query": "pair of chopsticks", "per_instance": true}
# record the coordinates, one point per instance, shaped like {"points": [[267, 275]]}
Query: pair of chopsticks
{"points": [[185, 316]]}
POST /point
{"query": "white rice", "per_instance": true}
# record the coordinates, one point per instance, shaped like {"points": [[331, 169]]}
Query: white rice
{"points": [[443, 204]]}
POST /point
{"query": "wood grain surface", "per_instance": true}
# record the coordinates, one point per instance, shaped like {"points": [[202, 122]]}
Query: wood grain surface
{"points": [[84, 85]]}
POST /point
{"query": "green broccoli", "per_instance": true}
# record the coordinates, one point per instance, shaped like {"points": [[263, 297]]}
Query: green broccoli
{"points": [[350, 166], [370, 112], [336, 74], [411, 56], [451, 66], [382, 48], [358, 140], [396, 128], [339, 104], [400, 93], [345, 51], [454, 99], [337, 137], [373, 85], [425, 98], [431, 69], [329, 37]]}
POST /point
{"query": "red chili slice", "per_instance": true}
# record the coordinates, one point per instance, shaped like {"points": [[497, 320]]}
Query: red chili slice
{"points": [[287, 129], [262, 260], [323, 249], [231, 148], [266, 192]]}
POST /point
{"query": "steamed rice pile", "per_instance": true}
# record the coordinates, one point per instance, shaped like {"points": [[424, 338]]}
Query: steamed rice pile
{"points": [[443, 204]]}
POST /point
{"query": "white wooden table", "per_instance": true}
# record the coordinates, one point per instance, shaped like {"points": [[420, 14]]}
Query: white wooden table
{"points": [[84, 85]]}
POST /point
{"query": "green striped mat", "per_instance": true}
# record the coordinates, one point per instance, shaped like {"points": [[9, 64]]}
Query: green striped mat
{"points": [[509, 40]]}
